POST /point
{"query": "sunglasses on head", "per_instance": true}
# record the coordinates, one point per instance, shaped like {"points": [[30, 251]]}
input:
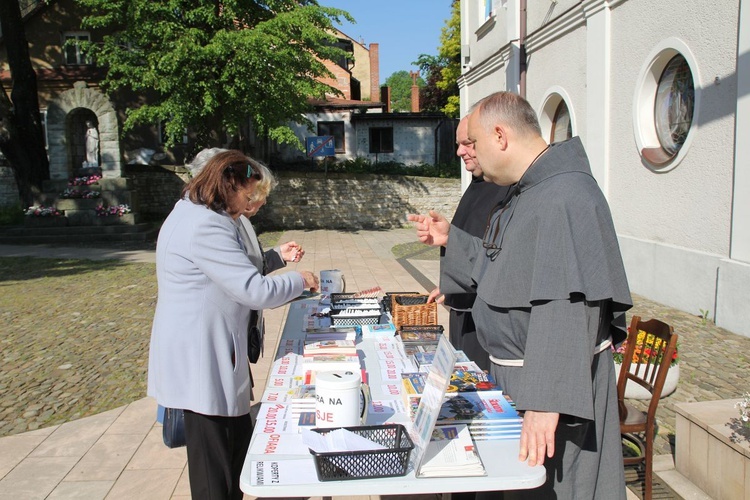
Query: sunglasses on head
{"points": [[250, 173]]}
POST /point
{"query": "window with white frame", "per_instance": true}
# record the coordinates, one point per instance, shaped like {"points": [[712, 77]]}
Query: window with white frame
{"points": [[562, 128], [488, 12], [666, 104], [556, 117], [72, 47]]}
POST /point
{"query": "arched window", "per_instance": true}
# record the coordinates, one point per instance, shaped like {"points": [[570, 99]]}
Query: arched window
{"points": [[562, 128]]}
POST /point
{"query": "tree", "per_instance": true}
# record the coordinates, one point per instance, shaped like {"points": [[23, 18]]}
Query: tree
{"points": [[21, 134], [450, 52], [432, 98], [400, 84], [214, 64]]}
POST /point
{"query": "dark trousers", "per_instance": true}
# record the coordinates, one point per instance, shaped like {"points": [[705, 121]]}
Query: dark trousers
{"points": [[216, 449]]}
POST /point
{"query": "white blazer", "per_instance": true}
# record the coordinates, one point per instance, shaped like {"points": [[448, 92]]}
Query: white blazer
{"points": [[207, 287]]}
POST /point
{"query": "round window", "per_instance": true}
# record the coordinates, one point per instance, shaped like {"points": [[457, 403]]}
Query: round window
{"points": [[666, 105], [673, 106]]}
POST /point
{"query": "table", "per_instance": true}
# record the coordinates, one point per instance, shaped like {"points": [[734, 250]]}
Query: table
{"points": [[504, 471]]}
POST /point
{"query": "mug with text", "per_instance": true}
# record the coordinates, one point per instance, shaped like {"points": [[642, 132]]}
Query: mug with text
{"points": [[332, 281]]}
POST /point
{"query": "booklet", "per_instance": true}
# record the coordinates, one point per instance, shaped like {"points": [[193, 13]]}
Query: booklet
{"points": [[451, 452], [430, 403]]}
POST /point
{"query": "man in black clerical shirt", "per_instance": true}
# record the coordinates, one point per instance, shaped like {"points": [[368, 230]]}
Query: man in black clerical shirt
{"points": [[471, 215]]}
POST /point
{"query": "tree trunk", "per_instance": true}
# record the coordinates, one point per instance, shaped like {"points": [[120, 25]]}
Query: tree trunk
{"points": [[21, 134]]}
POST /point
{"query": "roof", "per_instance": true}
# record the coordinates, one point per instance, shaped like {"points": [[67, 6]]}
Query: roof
{"points": [[338, 103]]}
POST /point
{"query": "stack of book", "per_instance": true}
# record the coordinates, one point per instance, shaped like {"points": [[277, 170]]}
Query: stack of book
{"points": [[330, 355], [330, 333], [303, 400], [488, 414], [466, 377]]}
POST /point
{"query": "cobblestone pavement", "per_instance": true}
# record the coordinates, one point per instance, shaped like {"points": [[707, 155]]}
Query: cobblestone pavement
{"points": [[63, 357]]}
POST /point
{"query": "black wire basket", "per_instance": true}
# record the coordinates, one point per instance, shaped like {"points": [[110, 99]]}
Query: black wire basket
{"points": [[390, 462]]}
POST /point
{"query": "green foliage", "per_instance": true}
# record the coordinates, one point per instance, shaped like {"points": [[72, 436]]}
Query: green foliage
{"points": [[365, 166], [212, 65], [704, 316], [400, 83], [450, 52], [11, 215]]}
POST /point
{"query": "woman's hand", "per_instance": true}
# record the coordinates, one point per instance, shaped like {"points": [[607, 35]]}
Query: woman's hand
{"points": [[291, 251], [311, 281]]}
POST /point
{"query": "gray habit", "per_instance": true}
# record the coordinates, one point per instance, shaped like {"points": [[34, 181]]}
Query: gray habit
{"points": [[553, 289]]}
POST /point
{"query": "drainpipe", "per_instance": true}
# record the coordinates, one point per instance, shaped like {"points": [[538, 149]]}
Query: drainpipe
{"points": [[522, 49]]}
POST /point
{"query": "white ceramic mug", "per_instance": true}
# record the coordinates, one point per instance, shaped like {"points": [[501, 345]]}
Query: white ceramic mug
{"points": [[338, 399], [332, 281]]}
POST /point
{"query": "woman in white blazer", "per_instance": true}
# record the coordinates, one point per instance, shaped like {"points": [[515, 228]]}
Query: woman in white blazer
{"points": [[267, 261], [206, 289]]}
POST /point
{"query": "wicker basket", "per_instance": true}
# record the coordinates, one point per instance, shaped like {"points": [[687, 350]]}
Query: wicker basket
{"points": [[412, 309]]}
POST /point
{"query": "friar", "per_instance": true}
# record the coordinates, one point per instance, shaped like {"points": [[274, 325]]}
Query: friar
{"points": [[551, 298]]}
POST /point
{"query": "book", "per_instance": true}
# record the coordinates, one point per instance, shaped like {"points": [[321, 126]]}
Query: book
{"points": [[320, 334], [379, 330], [468, 381], [303, 399], [412, 386], [495, 434], [431, 401], [331, 362], [419, 337], [334, 346], [478, 408], [451, 452], [422, 359]]}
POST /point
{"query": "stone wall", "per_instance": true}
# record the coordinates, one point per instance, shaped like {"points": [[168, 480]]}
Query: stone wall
{"points": [[314, 200], [8, 189]]}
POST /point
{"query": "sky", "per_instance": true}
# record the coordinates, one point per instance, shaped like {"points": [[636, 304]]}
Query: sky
{"points": [[403, 29]]}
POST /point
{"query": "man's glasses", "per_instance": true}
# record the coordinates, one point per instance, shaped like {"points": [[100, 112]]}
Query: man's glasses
{"points": [[492, 241]]}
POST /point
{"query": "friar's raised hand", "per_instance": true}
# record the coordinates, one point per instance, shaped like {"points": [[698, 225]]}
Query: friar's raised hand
{"points": [[432, 229]]}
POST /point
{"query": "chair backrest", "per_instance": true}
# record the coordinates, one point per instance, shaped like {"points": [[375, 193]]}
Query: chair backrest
{"points": [[651, 355]]}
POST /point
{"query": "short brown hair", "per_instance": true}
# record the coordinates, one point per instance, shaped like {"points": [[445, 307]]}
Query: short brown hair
{"points": [[511, 109], [223, 174]]}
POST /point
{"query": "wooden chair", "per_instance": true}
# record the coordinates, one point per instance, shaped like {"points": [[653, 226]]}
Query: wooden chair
{"points": [[635, 423]]}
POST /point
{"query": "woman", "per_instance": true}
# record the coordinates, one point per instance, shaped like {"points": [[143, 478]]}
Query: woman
{"points": [[207, 287], [267, 261]]}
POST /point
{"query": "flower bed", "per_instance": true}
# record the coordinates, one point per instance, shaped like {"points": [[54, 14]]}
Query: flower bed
{"points": [[85, 180], [78, 193], [42, 211], [118, 210]]}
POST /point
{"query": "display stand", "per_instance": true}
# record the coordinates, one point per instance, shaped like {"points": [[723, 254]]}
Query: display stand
{"points": [[504, 471]]}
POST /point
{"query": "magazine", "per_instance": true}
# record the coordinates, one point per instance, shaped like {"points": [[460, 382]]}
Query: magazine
{"points": [[478, 408]]}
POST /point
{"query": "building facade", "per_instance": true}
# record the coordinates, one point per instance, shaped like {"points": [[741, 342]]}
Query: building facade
{"points": [[659, 95]]}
